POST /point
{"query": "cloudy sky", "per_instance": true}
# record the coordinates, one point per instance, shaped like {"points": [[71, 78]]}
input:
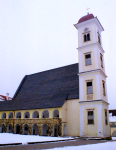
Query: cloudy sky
{"points": [[38, 35]]}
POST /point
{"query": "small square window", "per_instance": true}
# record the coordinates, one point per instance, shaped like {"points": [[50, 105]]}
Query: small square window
{"points": [[88, 59], [91, 117]]}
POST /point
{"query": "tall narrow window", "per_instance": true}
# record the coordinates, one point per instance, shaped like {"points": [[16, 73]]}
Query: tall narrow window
{"points": [[106, 118], [88, 37], [103, 83], [89, 87], [88, 59], [91, 117], [101, 59], [85, 38]]}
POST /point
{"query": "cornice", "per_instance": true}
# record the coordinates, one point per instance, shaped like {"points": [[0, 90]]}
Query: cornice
{"points": [[90, 45], [87, 101], [92, 71]]}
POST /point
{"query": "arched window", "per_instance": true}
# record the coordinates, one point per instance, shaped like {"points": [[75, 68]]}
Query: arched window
{"points": [[26, 115], [2, 128], [3, 116], [45, 114], [17, 129], [10, 115], [55, 113], [18, 115], [88, 37], [35, 114]]}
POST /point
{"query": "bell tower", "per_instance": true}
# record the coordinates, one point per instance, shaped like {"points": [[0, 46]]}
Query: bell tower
{"points": [[93, 103]]}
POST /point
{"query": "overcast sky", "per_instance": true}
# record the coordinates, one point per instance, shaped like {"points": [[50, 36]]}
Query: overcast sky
{"points": [[38, 35]]}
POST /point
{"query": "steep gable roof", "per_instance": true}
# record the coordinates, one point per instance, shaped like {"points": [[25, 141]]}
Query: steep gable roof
{"points": [[48, 89]]}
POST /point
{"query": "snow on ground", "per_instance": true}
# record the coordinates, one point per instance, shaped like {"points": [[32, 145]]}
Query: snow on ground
{"points": [[113, 138], [99, 146], [6, 138]]}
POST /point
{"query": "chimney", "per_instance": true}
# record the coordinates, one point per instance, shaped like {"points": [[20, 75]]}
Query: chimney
{"points": [[7, 96]]}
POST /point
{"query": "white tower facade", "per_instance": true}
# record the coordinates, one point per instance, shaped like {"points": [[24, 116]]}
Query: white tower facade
{"points": [[93, 103]]}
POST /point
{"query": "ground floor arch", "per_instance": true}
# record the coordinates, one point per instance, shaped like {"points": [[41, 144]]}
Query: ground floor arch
{"points": [[44, 130], [55, 130], [9, 128], [2, 128], [17, 129], [25, 129], [114, 134], [34, 130]]}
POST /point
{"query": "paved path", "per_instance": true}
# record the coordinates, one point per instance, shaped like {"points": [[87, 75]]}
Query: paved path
{"points": [[77, 142]]}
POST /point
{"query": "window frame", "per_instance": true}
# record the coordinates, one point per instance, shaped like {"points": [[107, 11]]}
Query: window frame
{"points": [[99, 38], [104, 87], [89, 110], [101, 61], [92, 86], [85, 58]]}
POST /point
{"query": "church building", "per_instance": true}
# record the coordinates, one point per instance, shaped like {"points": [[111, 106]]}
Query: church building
{"points": [[66, 101]]}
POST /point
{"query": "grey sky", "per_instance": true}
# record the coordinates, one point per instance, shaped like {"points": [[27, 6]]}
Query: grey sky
{"points": [[37, 35]]}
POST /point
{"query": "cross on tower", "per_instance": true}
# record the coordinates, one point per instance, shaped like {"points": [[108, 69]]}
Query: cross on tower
{"points": [[87, 10]]}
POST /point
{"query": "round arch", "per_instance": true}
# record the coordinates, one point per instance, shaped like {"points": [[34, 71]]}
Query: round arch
{"points": [[35, 114], [17, 129], [9, 128], [26, 115], [55, 130], [55, 113], [45, 114], [10, 115], [25, 129], [44, 130], [34, 130], [2, 128], [3, 116], [18, 115]]}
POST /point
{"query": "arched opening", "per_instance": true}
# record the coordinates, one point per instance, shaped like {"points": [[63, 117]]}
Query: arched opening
{"points": [[17, 129], [18, 115], [114, 134], [3, 116], [85, 38], [88, 37], [2, 128], [10, 115], [65, 132], [45, 114], [9, 128], [56, 113], [35, 114], [25, 129], [55, 130], [26, 115], [34, 129], [44, 130]]}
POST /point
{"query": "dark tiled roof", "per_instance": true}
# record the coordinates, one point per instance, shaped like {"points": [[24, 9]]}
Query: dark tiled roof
{"points": [[48, 89], [85, 18]]}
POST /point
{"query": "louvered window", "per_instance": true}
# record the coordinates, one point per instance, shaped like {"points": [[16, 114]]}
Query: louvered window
{"points": [[103, 87], [101, 59]]}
